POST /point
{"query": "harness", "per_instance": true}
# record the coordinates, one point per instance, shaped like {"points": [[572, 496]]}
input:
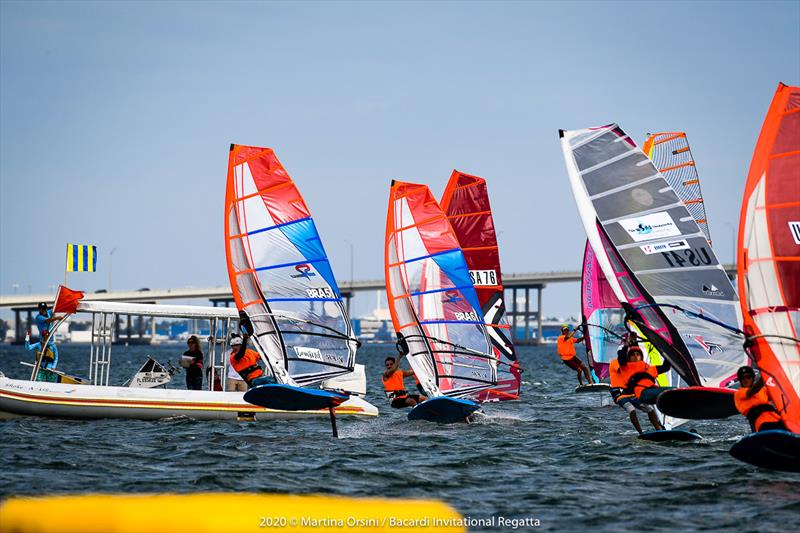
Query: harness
{"points": [[754, 413], [634, 380], [245, 373], [393, 394]]}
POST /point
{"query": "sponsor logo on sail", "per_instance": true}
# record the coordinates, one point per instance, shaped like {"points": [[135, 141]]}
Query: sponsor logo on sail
{"points": [[712, 290], [710, 347], [303, 271], [313, 354], [651, 249], [483, 278], [794, 227], [649, 227], [321, 292], [452, 297]]}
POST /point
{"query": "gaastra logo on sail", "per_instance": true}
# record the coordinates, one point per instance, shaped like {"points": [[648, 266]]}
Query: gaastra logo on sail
{"points": [[649, 227], [483, 278], [303, 271]]}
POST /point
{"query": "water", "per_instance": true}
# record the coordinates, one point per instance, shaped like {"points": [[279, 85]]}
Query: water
{"points": [[556, 456]]}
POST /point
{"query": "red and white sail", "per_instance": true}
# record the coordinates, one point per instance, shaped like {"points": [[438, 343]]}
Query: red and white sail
{"points": [[769, 253], [466, 202]]}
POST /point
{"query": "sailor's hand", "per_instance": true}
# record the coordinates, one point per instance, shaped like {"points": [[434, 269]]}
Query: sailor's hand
{"points": [[28, 337]]}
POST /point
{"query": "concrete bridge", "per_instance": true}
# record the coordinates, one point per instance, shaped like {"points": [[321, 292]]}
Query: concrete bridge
{"points": [[24, 306]]}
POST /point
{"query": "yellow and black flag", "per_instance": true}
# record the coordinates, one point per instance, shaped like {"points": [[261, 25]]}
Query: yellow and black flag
{"points": [[81, 258]]}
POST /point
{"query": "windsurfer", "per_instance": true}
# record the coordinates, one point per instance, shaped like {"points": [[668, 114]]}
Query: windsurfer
{"points": [[245, 362], [627, 400], [641, 377], [566, 351], [393, 376], [752, 401]]}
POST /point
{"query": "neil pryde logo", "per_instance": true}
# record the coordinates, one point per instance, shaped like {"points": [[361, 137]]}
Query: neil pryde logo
{"points": [[712, 290], [483, 278], [303, 271], [794, 227]]}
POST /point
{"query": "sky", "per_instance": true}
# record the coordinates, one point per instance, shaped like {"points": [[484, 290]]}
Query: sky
{"points": [[116, 118]]}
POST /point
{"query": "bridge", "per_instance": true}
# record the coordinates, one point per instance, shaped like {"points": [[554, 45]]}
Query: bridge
{"points": [[515, 283]]}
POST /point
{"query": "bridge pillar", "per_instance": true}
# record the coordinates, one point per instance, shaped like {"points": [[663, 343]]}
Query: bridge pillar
{"points": [[526, 314]]}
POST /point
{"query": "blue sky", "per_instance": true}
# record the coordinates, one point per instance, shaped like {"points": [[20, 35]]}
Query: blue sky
{"points": [[115, 119]]}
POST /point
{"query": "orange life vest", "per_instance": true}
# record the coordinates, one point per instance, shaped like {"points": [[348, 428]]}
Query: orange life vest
{"points": [[565, 347], [394, 385], [757, 408], [618, 380], [639, 376], [247, 366]]}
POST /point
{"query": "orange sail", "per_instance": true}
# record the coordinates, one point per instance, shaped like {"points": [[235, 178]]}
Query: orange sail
{"points": [[670, 153], [769, 253]]}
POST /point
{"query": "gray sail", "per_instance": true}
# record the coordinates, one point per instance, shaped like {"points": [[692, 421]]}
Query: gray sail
{"points": [[629, 210]]}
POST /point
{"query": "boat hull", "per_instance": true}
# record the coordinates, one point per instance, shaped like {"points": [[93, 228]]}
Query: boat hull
{"points": [[58, 400]]}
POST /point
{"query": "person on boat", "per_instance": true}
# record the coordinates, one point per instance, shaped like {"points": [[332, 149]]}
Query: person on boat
{"points": [[234, 381], [619, 376], [566, 351], [245, 362], [44, 318], [47, 357], [192, 361], [393, 379], [753, 402], [641, 377]]}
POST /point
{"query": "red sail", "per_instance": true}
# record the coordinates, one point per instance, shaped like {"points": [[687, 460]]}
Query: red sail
{"points": [[769, 253], [466, 202]]}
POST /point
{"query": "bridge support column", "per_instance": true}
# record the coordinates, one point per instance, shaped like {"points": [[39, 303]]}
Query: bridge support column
{"points": [[539, 339]]}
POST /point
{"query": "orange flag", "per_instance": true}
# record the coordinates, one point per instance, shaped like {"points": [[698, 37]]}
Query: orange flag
{"points": [[67, 300]]}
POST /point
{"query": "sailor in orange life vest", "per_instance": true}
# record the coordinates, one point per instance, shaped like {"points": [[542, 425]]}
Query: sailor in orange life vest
{"points": [[392, 379], [641, 377], [620, 372], [752, 401], [566, 351], [245, 361]]}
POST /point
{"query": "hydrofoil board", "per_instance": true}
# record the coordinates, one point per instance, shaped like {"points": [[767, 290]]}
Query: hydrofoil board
{"points": [[593, 387], [774, 449], [697, 403], [290, 398], [665, 435], [444, 410]]}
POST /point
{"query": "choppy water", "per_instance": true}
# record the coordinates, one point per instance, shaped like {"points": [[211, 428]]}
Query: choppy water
{"points": [[556, 456]]}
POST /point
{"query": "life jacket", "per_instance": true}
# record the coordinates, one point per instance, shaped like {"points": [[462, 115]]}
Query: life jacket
{"points": [[565, 347], [47, 355], [394, 385], [247, 366], [640, 377], [757, 409], [618, 381]]}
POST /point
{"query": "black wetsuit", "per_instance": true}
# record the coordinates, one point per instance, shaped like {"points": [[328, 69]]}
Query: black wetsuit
{"points": [[194, 373]]}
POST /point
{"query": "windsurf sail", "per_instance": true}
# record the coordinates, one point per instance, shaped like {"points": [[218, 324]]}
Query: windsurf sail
{"points": [[671, 155], [466, 203], [769, 253], [280, 275], [603, 316], [655, 257], [431, 297]]}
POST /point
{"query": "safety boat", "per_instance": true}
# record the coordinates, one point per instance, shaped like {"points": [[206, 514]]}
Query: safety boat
{"points": [[146, 397]]}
